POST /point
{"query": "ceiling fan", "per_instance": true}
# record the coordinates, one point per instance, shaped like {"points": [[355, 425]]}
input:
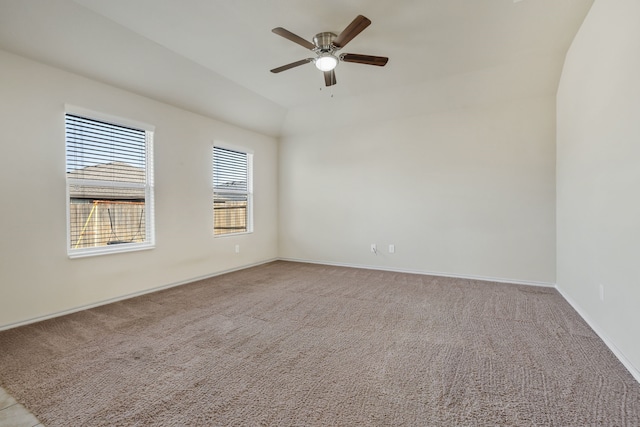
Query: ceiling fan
{"points": [[326, 45]]}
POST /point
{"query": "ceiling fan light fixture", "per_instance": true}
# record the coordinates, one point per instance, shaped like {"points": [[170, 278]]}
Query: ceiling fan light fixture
{"points": [[326, 62]]}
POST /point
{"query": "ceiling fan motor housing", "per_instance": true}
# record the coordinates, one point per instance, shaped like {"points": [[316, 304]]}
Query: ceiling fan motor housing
{"points": [[324, 41]]}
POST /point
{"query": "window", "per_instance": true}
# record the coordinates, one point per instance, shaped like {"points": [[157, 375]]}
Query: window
{"points": [[232, 191], [109, 186]]}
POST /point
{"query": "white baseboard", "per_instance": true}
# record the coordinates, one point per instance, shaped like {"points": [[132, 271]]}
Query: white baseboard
{"points": [[426, 273], [127, 296], [615, 350]]}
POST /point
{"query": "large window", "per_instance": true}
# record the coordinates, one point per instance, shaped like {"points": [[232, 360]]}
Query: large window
{"points": [[232, 191], [109, 186]]}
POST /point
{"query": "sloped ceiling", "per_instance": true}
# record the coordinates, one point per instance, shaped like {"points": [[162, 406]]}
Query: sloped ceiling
{"points": [[213, 56]]}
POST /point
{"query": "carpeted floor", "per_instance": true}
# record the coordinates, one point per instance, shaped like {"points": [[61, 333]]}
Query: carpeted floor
{"points": [[298, 344]]}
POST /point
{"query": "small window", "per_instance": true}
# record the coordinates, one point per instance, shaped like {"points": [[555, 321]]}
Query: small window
{"points": [[232, 191], [109, 187]]}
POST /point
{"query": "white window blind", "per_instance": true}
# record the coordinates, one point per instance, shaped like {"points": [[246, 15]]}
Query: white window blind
{"points": [[231, 191], [109, 181]]}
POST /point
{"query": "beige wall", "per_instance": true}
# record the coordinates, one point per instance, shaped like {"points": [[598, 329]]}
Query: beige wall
{"points": [[598, 175], [36, 276], [459, 175]]}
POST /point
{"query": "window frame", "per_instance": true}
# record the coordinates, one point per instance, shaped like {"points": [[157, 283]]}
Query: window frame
{"points": [[149, 242], [249, 193]]}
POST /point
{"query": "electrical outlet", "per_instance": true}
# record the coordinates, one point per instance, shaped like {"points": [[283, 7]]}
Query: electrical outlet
{"points": [[601, 291], [374, 248], [392, 249], [237, 249]]}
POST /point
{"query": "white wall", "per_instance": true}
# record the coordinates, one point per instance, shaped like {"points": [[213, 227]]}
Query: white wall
{"points": [[36, 276], [598, 175], [459, 175]]}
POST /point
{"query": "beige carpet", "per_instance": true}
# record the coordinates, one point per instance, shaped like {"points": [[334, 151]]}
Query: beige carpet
{"points": [[296, 344]]}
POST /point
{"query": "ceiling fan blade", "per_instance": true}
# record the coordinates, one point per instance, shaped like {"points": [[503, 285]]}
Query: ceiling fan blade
{"points": [[330, 78], [352, 30], [292, 65], [293, 37], [380, 61]]}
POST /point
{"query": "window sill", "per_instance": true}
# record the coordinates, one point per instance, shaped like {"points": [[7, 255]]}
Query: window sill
{"points": [[107, 250], [218, 236]]}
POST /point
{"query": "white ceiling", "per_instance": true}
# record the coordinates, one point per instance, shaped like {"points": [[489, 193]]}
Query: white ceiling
{"points": [[213, 56]]}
